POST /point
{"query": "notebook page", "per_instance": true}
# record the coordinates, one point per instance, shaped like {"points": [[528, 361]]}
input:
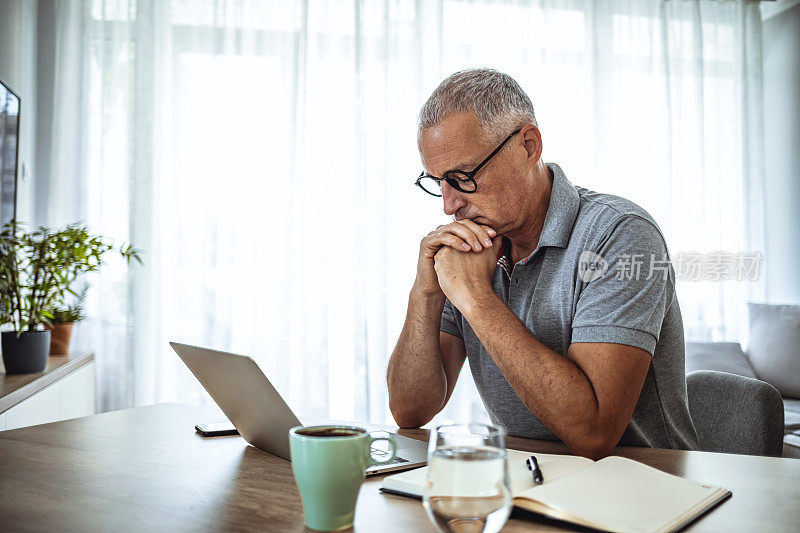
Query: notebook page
{"points": [[552, 467], [623, 495]]}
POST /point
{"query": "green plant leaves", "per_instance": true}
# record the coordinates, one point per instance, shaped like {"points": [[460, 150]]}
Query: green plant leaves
{"points": [[38, 269]]}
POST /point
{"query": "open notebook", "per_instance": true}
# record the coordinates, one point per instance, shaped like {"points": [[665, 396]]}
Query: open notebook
{"points": [[612, 494]]}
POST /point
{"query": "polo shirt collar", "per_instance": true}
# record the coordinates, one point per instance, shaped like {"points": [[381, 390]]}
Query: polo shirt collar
{"points": [[561, 212]]}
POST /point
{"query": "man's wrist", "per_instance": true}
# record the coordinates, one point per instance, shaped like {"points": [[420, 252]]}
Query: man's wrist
{"points": [[479, 297], [434, 299]]}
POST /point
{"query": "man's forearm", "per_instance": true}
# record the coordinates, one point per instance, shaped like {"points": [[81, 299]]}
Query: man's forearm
{"points": [[415, 375], [552, 387]]}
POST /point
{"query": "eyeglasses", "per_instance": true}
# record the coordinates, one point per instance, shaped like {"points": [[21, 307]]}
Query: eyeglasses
{"points": [[458, 179]]}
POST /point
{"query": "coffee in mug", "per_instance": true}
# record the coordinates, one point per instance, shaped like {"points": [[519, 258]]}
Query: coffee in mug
{"points": [[326, 431]]}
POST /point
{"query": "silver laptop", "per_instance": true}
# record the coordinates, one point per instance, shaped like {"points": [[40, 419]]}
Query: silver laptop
{"points": [[258, 412]]}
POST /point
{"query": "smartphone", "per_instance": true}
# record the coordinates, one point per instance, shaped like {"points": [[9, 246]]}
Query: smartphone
{"points": [[216, 430]]}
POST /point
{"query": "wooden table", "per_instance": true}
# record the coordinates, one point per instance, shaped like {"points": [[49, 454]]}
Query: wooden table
{"points": [[146, 469]]}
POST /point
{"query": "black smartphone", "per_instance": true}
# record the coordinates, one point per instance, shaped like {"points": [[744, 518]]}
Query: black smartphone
{"points": [[216, 430]]}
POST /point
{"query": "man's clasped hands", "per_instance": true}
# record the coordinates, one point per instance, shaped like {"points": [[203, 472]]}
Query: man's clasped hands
{"points": [[459, 260]]}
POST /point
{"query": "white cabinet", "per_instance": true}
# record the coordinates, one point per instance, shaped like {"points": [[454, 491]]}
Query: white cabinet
{"points": [[76, 394], [71, 396]]}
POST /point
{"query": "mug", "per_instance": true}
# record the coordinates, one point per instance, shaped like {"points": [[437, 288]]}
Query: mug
{"points": [[328, 464]]}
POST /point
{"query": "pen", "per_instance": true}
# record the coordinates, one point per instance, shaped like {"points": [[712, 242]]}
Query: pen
{"points": [[533, 466]]}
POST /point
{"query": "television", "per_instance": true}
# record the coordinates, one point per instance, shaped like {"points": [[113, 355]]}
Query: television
{"points": [[9, 146]]}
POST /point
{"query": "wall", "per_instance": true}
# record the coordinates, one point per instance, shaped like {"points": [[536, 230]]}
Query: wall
{"points": [[18, 22], [781, 37]]}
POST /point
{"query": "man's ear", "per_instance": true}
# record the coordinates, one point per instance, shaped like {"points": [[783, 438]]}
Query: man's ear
{"points": [[533, 143]]}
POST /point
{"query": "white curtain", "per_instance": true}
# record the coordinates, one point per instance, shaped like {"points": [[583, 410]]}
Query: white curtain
{"points": [[262, 154]]}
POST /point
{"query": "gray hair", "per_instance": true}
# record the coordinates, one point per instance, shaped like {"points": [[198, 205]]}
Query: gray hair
{"points": [[496, 99]]}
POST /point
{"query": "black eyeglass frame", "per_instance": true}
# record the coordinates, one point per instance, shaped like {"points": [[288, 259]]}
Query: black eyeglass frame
{"points": [[454, 182]]}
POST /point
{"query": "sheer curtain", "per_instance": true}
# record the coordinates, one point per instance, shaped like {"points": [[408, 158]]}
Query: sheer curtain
{"points": [[262, 154]]}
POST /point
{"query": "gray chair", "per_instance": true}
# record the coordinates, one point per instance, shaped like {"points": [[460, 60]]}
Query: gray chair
{"points": [[735, 414]]}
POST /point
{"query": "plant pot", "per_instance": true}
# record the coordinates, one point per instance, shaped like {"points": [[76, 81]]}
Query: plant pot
{"points": [[26, 353], [59, 338]]}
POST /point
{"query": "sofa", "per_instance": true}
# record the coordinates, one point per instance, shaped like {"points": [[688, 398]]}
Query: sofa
{"points": [[772, 355]]}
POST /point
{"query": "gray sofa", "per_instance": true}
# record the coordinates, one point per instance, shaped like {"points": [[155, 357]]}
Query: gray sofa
{"points": [[773, 355]]}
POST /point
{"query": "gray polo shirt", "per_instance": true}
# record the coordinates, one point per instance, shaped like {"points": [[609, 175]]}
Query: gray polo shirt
{"points": [[564, 293]]}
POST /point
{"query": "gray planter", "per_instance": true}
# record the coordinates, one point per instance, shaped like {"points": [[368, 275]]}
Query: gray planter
{"points": [[25, 354]]}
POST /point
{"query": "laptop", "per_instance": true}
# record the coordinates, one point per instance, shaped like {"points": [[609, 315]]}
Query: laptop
{"points": [[261, 416]]}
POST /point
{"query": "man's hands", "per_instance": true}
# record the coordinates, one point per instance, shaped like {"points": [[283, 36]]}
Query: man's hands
{"points": [[462, 275], [463, 236]]}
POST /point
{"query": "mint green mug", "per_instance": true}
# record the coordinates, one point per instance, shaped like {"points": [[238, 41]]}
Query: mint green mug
{"points": [[328, 464]]}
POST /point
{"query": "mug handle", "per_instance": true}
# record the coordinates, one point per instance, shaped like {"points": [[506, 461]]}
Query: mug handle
{"points": [[388, 438]]}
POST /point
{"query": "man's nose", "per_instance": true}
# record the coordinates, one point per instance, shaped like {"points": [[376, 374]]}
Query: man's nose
{"points": [[453, 199]]}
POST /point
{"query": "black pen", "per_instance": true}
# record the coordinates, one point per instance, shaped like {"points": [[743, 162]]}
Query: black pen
{"points": [[533, 466]]}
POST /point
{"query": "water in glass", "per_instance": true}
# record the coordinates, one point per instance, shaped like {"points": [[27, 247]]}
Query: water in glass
{"points": [[467, 485]]}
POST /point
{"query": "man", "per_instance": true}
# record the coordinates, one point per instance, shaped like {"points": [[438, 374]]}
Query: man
{"points": [[531, 284]]}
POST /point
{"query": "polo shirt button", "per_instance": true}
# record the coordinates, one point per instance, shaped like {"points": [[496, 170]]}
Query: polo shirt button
{"points": [[516, 280]]}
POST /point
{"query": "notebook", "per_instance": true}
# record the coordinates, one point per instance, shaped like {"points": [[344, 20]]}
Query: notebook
{"points": [[612, 494]]}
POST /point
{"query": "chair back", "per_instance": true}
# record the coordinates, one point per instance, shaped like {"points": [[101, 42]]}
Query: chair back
{"points": [[735, 414]]}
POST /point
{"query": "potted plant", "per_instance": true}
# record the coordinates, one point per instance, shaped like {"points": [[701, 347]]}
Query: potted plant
{"points": [[37, 270], [61, 326]]}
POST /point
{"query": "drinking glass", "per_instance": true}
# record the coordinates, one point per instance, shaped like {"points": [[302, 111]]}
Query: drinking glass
{"points": [[467, 487]]}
